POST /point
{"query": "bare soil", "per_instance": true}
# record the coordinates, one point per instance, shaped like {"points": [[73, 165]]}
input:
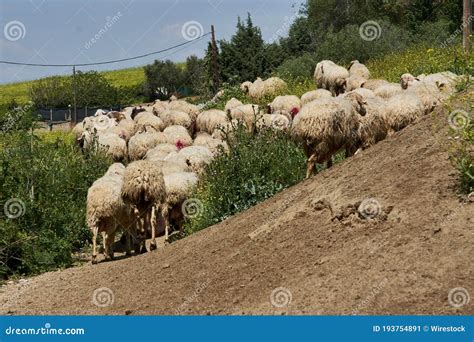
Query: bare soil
{"points": [[309, 243]]}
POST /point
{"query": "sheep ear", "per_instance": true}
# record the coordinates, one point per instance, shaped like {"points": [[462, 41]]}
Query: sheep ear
{"points": [[351, 64], [417, 79]]}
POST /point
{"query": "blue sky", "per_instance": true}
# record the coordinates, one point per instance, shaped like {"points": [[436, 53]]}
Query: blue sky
{"points": [[66, 31]]}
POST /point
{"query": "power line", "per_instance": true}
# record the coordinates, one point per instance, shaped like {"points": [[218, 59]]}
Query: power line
{"points": [[107, 62]]}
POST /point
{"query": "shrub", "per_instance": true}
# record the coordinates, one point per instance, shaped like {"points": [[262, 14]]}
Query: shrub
{"points": [[298, 68], [47, 178], [256, 167], [162, 79], [421, 59]]}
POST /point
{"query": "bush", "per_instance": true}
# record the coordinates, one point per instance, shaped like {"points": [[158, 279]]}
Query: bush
{"points": [[462, 138], [298, 68], [162, 79], [421, 59], [46, 178], [256, 167]]}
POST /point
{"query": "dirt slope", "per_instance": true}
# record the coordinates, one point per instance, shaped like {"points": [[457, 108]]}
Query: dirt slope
{"points": [[405, 261]]}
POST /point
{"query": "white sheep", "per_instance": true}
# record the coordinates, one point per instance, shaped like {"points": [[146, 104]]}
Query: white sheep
{"points": [[114, 145], [175, 117], [402, 110], [183, 106], [231, 104], [141, 142], [373, 126], [373, 84], [210, 120], [147, 119], [288, 105], [178, 135], [328, 75], [328, 125], [245, 86], [197, 157], [358, 69], [159, 152], [249, 114], [179, 186], [214, 145], [106, 211], [276, 121], [314, 95], [144, 190], [388, 90]]}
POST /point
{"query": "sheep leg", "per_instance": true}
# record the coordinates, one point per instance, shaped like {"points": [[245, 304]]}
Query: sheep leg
{"points": [[165, 215], [128, 243], [311, 163], [109, 251], [152, 217], [329, 163], [95, 231]]}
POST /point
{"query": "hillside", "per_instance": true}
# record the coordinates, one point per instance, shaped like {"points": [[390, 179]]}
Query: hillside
{"points": [[309, 239], [121, 77]]}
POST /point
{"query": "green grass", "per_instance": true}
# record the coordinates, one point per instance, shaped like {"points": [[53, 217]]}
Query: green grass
{"points": [[19, 91]]}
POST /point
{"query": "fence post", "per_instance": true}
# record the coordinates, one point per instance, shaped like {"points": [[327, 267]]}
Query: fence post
{"points": [[85, 111], [51, 119]]}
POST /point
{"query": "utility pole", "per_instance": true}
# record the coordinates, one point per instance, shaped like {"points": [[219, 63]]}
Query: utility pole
{"points": [[74, 120], [215, 63], [467, 19]]}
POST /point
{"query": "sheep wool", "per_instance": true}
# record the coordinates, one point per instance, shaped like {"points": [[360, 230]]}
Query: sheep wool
{"points": [[177, 135], [210, 120], [140, 143], [314, 95], [231, 104], [147, 119]]}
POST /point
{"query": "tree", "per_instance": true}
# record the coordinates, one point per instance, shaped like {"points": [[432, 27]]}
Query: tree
{"points": [[162, 79], [243, 57], [195, 75]]}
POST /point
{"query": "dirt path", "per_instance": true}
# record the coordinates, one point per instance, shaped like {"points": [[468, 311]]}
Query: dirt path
{"points": [[308, 243]]}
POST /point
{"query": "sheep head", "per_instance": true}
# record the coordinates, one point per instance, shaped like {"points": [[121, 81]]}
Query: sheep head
{"points": [[341, 85], [407, 79], [358, 103]]}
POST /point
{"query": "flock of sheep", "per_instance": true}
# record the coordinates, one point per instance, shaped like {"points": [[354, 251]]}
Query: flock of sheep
{"points": [[168, 143]]}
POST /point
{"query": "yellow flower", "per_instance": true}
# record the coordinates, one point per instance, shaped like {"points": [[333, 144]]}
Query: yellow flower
{"points": [[429, 50]]}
